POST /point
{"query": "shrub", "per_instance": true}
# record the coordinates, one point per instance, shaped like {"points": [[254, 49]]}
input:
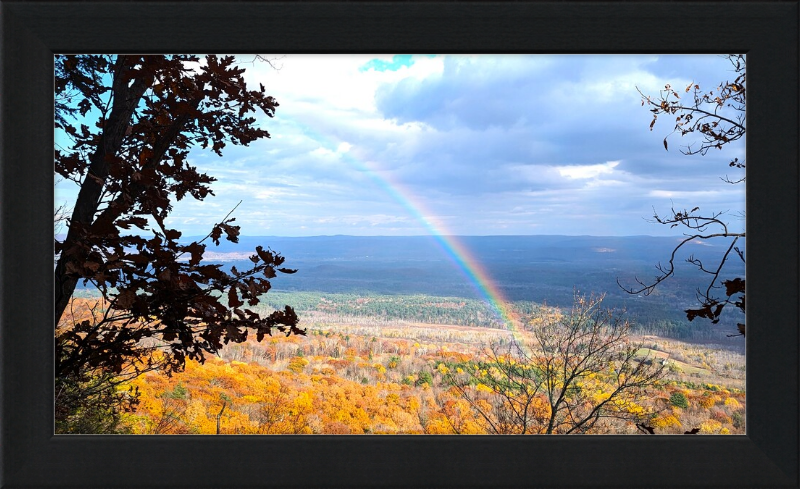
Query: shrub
{"points": [[90, 403], [179, 392], [732, 403], [737, 420], [424, 378], [666, 421], [707, 402], [710, 427], [678, 399], [296, 364], [720, 416], [674, 368]]}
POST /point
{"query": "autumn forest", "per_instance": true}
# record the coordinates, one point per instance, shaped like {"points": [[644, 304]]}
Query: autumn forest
{"points": [[403, 295], [356, 374]]}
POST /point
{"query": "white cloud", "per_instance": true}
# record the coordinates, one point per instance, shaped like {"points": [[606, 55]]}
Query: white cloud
{"points": [[322, 152], [587, 171], [505, 144], [688, 194], [333, 81]]}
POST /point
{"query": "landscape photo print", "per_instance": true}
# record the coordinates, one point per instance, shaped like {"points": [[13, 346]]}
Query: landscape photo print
{"points": [[400, 244]]}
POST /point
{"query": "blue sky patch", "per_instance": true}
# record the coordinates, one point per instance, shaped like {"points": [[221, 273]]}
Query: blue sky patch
{"points": [[398, 61]]}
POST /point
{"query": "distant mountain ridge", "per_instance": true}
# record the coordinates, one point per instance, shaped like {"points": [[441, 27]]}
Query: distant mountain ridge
{"points": [[540, 268], [538, 247], [543, 267]]}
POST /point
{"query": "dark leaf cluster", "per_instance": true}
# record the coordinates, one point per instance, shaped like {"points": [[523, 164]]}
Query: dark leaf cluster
{"points": [[131, 122]]}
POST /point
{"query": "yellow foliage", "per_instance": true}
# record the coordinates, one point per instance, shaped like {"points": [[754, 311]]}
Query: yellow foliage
{"points": [[293, 399], [600, 396], [732, 403], [438, 426], [303, 402], [666, 421], [707, 402], [296, 364], [711, 426]]}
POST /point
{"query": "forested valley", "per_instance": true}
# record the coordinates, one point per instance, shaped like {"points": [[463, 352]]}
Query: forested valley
{"points": [[158, 332], [385, 364]]}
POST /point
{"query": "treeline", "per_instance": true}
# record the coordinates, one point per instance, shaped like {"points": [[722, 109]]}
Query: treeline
{"points": [[648, 318], [417, 307], [653, 319]]}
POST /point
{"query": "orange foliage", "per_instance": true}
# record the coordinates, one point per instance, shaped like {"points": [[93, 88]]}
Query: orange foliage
{"points": [[348, 391]]}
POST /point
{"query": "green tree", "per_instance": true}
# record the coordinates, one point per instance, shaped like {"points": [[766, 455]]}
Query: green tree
{"points": [[89, 402], [424, 377], [678, 399]]}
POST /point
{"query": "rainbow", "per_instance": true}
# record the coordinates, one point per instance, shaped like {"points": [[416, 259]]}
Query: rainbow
{"points": [[452, 247]]}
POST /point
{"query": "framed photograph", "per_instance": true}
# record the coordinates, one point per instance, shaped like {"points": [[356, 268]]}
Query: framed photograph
{"points": [[34, 454]]}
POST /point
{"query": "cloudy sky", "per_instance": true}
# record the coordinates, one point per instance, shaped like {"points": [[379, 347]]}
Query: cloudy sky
{"points": [[464, 145]]}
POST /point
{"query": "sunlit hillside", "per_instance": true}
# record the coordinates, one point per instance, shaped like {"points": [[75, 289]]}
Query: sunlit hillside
{"points": [[372, 374]]}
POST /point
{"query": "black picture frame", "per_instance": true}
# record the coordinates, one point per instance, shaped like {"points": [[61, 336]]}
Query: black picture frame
{"points": [[31, 32]]}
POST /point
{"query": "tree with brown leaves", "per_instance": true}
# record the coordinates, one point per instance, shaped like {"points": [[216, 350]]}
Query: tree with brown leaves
{"points": [[131, 122], [718, 118]]}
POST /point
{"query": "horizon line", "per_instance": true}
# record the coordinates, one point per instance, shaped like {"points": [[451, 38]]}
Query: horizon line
{"points": [[62, 236]]}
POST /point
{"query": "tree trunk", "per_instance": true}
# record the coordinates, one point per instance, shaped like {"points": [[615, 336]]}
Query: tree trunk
{"points": [[125, 100], [224, 403]]}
